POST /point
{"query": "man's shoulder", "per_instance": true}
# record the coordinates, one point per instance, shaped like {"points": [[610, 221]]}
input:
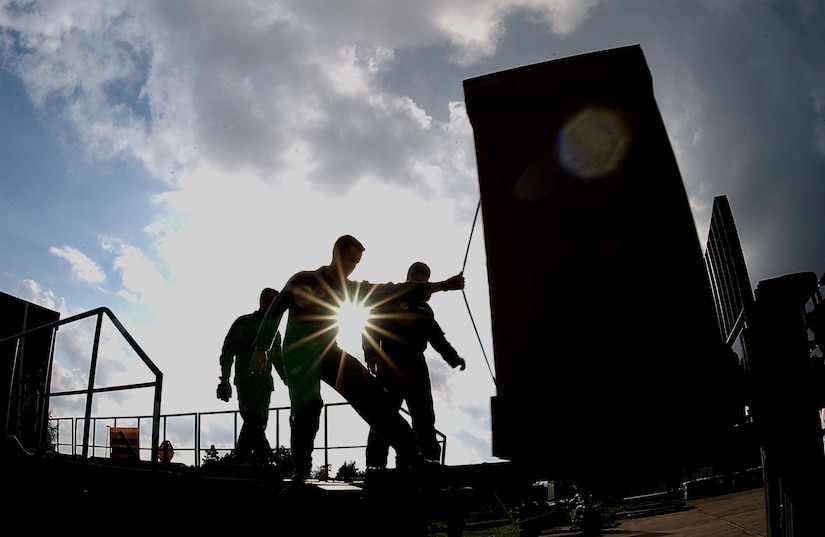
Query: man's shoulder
{"points": [[241, 324], [246, 318], [305, 275]]}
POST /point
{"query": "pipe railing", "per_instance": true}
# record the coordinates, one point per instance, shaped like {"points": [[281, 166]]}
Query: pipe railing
{"points": [[90, 423], [198, 443], [90, 390]]}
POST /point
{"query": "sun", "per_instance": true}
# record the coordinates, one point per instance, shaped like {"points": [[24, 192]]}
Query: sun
{"points": [[351, 319]]}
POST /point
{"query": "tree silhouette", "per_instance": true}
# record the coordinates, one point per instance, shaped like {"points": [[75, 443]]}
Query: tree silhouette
{"points": [[348, 472]]}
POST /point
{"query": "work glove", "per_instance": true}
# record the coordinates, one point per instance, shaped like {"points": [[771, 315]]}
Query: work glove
{"points": [[224, 391]]}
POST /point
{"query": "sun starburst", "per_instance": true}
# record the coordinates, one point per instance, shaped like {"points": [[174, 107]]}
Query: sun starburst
{"points": [[351, 318]]}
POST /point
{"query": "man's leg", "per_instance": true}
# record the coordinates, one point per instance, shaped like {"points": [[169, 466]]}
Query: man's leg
{"points": [[367, 396], [255, 410], [377, 447], [420, 405], [262, 448], [303, 423], [243, 447], [252, 442], [305, 414]]}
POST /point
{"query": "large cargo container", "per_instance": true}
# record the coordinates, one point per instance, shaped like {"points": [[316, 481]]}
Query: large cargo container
{"points": [[608, 356]]}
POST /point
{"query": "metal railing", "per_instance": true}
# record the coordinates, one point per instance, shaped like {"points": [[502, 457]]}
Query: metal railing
{"points": [[90, 390], [85, 432], [198, 447]]}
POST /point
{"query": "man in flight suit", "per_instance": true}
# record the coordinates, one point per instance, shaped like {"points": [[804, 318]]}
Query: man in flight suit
{"points": [[394, 341], [254, 390]]}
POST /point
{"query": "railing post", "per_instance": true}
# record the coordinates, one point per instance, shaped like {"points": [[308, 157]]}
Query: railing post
{"points": [[326, 442], [197, 440], [90, 392]]}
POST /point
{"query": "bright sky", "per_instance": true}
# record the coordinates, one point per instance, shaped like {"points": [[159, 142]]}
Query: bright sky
{"points": [[167, 160]]}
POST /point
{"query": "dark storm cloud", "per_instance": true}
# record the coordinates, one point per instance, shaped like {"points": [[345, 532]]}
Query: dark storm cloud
{"points": [[741, 90]]}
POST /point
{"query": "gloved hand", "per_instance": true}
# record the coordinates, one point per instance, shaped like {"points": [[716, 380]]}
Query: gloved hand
{"points": [[224, 391]]}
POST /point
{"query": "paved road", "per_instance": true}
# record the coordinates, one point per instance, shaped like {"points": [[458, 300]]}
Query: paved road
{"points": [[740, 514]]}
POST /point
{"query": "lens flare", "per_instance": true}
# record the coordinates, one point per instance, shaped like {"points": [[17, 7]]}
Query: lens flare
{"points": [[590, 145], [593, 142], [350, 318]]}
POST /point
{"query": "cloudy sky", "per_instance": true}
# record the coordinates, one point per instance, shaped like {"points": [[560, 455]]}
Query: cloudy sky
{"points": [[167, 160]]}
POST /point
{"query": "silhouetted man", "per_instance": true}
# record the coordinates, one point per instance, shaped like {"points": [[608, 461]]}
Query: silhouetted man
{"points": [[311, 352], [394, 342], [254, 390]]}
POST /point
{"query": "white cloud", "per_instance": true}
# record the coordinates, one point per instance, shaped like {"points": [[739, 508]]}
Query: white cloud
{"points": [[139, 275], [83, 268], [175, 89], [30, 291]]}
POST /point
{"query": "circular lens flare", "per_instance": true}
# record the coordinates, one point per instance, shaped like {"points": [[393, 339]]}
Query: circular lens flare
{"points": [[593, 142]]}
